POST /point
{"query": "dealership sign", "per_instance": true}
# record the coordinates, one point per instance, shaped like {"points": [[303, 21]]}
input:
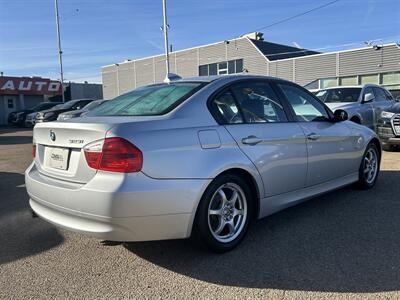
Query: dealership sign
{"points": [[29, 86]]}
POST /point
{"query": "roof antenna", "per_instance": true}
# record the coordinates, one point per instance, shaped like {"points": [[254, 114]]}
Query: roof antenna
{"points": [[168, 76]]}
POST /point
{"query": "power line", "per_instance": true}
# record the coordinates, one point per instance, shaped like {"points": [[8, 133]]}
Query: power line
{"points": [[296, 16]]}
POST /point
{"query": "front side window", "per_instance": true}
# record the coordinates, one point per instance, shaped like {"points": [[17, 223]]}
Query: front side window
{"points": [[305, 106], [148, 100], [379, 94]]}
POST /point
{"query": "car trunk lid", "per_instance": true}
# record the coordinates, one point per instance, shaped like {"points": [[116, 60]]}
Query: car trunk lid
{"points": [[60, 153]]}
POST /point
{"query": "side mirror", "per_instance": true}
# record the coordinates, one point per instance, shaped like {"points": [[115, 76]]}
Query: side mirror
{"points": [[368, 97], [340, 115]]}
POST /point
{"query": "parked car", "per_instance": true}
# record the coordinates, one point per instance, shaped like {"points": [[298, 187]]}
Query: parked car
{"points": [[200, 157], [389, 127], [363, 104], [80, 112], [17, 118], [52, 114], [30, 119]]}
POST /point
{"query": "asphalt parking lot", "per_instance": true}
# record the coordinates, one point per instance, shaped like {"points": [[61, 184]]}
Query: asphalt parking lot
{"points": [[343, 245]]}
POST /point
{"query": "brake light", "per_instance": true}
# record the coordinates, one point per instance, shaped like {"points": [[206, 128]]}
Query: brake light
{"points": [[115, 155], [34, 150]]}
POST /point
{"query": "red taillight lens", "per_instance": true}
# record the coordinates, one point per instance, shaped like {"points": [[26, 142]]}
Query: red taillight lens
{"points": [[115, 155], [34, 150]]}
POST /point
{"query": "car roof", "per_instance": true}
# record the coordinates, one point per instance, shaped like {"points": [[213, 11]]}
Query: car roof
{"points": [[222, 77]]}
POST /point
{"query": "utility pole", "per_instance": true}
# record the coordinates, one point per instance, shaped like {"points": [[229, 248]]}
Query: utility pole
{"points": [[59, 50], [165, 30]]}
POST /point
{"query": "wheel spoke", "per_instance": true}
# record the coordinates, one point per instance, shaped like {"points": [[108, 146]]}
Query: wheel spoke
{"points": [[215, 212], [231, 227], [234, 198], [221, 226], [223, 197], [237, 212]]}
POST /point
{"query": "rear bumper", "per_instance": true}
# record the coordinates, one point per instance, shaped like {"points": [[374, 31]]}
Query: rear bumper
{"points": [[130, 207]]}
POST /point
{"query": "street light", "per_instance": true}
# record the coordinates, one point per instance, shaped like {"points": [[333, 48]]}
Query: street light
{"points": [[59, 50]]}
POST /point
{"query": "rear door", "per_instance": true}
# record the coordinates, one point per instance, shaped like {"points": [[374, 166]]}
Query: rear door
{"points": [[256, 119], [331, 146]]}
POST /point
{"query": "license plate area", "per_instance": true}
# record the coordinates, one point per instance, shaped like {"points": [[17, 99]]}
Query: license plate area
{"points": [[57, 158]]}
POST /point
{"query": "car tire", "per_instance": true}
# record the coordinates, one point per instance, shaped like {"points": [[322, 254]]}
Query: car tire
{"points": [[369, 167], [224, 213]]}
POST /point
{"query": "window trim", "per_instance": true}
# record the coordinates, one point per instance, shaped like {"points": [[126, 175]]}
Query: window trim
{"points": [[229, 85]]}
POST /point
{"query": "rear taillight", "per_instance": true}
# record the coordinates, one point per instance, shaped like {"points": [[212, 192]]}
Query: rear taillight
{"points": [[34, 150], [114, 155]]}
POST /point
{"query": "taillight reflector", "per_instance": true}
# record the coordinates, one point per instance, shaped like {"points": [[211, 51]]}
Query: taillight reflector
{"points": [[115, 155]]}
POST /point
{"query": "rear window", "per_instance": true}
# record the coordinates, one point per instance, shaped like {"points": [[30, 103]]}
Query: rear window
{"points": [[149, 100]]}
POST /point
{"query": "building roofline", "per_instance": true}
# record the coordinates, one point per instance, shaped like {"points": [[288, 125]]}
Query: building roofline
{"points": [[333, 52], [174, 52], [258, 49]]}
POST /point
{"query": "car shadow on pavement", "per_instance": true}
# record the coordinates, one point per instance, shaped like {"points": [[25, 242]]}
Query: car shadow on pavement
{"points": [[344, 241], [21, 235]]}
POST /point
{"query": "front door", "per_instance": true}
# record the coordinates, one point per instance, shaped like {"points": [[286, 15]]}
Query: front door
{"points": [[331, 146], [255, 118], [9, 106]]}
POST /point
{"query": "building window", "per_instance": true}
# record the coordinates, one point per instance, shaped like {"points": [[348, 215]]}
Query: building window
{"points": [[391, 78], [203, 70], [328, 82], [370, 79], [222, 68], [350, 80]]}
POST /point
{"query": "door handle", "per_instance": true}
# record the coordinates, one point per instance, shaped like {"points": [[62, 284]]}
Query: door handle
{"points": [[313, 136], [251, 140]]}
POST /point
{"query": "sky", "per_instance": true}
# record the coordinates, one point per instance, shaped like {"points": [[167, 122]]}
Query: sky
{"points": [[101, 32]]}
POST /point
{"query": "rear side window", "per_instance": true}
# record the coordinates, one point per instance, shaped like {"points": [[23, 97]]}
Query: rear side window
{"points": [[149, 100], [258, 102], [226, 110]]}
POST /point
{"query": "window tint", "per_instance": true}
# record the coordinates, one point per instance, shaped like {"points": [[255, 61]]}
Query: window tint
{"points": [[226, 109], [305, 106], [148, 100], [380, 94], [258, 102]]}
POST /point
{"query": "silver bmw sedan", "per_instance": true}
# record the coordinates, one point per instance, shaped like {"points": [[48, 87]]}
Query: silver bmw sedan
{"points": [[200, 157]]}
